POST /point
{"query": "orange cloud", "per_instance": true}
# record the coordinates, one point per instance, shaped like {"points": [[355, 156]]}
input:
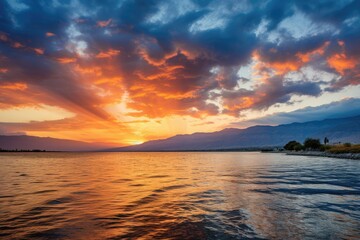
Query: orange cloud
{"points": [[284, 67], [108, 54], [179, 96], [306, 57], [17, 45], [232, 106], [39, 51], [14, 86], [18, 94], [66, 60], [103, 23], [110, 81], [280, 66], [4, 38], [341, 63], [50, 34], [95, 71]]}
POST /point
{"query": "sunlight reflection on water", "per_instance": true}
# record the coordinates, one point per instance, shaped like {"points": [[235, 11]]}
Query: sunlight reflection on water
{"points": [[177, 196]]}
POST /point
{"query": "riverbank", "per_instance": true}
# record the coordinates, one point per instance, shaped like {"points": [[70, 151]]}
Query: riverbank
{"points": [[324, 154]]}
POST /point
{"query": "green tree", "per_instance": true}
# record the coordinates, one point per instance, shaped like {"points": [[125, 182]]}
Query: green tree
{"points": [[326, 140], [298, 147], [311, 143], [292, 145]]}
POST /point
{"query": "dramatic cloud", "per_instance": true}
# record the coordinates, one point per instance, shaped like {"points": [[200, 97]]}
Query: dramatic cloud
{"points": [[117, 61]]}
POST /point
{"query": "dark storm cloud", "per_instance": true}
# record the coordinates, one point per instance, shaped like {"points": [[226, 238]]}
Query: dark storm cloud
{"points": [[276, 91], [88, 53]]}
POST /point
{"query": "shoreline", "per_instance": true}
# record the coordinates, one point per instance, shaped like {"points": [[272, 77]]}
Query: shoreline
{"points": [[353, 156]]}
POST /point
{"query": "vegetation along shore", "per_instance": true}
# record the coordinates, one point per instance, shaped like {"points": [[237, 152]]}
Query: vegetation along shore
{"points": [[313, 147]]}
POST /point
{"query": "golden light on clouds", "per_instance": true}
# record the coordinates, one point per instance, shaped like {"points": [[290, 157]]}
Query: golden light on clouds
{"points": [[110, 75]]}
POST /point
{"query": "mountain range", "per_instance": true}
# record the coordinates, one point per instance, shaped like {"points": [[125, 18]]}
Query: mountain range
{"points": [[336, 130], [24, 142]]}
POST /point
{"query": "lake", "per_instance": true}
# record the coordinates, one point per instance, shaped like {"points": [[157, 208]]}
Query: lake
{"points": [[215, 195]]}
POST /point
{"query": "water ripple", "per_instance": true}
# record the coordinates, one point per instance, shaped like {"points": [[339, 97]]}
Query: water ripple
{"points": [[178, 196]]}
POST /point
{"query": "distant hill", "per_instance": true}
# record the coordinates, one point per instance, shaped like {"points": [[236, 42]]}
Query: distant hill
{"points": [[46, 143], [337, 130]]}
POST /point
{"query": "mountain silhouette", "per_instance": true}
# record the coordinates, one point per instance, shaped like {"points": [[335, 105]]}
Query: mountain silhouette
{"points": [[336, 130], [24, 142]]}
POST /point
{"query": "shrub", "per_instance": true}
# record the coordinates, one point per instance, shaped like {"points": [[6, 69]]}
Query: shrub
{"points": [[347, 144]]}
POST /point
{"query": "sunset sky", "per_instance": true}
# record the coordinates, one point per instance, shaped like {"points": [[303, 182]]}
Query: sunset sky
{"points": [[129, 71]]}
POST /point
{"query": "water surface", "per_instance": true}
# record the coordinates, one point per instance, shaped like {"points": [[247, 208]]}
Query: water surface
{"points": [[178, 196]]}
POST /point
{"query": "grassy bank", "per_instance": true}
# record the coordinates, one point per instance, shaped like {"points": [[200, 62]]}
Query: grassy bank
{"points": [[346, 148]]}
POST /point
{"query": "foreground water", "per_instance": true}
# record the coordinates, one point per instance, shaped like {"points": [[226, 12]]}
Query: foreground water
{"points": [[178, 196]]}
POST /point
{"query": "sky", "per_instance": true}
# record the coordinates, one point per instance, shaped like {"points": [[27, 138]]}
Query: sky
{"points": [[130, 71]]}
